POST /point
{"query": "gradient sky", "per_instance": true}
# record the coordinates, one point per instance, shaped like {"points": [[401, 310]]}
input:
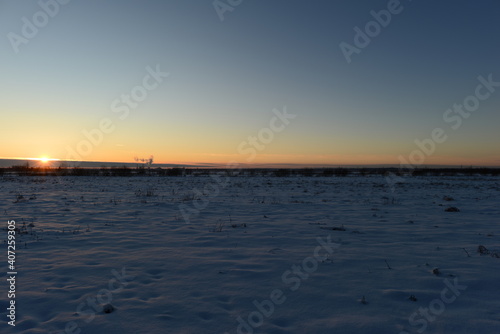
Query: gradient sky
{"points": [[226, 77]]}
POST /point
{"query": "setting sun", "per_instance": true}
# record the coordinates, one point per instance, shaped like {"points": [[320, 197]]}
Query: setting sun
{"points": [[44, 160]]}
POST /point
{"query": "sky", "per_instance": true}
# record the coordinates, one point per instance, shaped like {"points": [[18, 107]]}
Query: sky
{"points": [[285, 82]]}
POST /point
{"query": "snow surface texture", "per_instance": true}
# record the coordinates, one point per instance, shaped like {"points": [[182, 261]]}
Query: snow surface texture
{"points": [[114, 255]]}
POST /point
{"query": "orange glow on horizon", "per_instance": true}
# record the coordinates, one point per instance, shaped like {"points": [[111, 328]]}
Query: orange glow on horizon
{"points": [[276, 160]]}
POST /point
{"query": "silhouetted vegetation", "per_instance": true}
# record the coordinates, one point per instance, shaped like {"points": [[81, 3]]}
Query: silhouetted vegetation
{"points": [[336, 171], [306, 172], [282, 172], [176, 171], [121, 171], [62, 170]]}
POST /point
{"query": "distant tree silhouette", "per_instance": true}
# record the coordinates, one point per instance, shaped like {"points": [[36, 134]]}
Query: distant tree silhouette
{"points": [[147, 163]]}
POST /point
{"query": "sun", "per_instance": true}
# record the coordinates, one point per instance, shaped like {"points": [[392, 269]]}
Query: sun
{"points": [[44, 160]]}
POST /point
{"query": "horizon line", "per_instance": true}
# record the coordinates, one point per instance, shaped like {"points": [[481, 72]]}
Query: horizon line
{"points": [[245, 165]]}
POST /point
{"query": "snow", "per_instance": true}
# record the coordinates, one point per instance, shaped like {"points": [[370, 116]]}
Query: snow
{"points": [[123, 241]]}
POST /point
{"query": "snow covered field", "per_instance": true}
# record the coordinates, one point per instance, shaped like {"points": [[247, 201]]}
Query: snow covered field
{"points": [[264, 255]]}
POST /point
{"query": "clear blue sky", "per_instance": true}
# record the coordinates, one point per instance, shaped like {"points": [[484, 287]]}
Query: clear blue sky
{"points": [[226, 77]]}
